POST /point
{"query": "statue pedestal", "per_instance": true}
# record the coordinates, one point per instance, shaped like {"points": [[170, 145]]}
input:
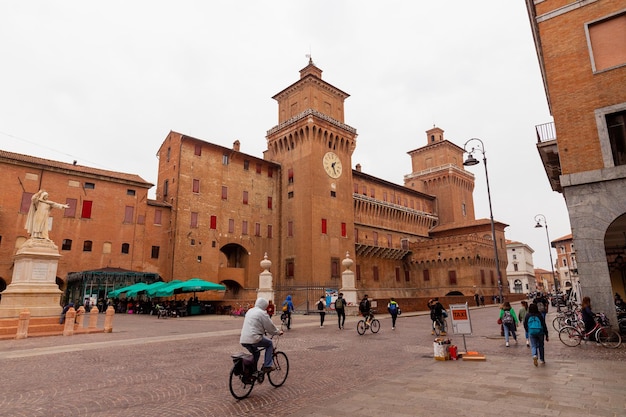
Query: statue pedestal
{"points": [[33, 286]]}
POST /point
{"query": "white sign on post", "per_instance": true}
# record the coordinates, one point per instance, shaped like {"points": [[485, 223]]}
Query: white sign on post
{"points": [[461, 322]]}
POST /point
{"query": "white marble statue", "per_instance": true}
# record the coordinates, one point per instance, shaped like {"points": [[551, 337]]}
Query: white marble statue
{"points": [[38, 213]]}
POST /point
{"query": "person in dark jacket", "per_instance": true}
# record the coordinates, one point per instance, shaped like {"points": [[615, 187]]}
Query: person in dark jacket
{"points": [[536, 333]]}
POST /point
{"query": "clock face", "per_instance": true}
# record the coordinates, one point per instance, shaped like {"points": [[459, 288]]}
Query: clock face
{"points": [[332, 165]]}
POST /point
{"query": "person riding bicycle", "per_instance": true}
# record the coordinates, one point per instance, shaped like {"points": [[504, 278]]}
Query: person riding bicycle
{"points": [[255, 324], [588, 316], [365, 308], [437, 314]]}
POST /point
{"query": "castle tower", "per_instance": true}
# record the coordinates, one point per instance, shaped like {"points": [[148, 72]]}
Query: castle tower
{"points": [[437, 169], [314, 148]]}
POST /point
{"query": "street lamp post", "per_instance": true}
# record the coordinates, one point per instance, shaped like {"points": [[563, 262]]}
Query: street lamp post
{"points": [[541, 222], [470, 161]]}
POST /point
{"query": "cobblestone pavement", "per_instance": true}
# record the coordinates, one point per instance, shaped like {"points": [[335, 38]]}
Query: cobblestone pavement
{"points": [[180, 367]]}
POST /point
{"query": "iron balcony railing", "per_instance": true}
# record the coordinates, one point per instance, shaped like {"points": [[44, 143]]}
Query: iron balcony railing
{"points": [[545, 132]]}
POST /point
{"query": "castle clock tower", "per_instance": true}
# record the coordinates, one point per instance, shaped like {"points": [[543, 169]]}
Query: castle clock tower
{"points": [[314, 148]]}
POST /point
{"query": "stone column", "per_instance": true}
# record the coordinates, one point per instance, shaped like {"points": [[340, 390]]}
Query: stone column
{"points": [[33, 285], [266, 289], [347, 287]]}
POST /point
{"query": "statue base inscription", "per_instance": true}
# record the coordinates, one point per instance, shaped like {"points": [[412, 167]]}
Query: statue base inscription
{"points": [[33, 286]]}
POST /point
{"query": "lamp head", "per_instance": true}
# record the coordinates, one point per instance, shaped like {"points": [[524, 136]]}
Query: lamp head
{"points": [[470, 161], [538, 225]]}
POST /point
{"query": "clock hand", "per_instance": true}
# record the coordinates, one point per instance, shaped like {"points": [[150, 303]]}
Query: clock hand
{"points": [[333, 165]]}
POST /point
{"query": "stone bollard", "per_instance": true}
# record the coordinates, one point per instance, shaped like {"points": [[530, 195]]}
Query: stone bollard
{"points": [[93, 317], [80, 316], [22, 325], [108, 319], [70, 316]]}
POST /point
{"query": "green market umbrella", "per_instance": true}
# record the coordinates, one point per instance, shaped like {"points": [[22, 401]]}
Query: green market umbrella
{"points": [[192, 285], [116, 293], [136, 291], [162, 290]]}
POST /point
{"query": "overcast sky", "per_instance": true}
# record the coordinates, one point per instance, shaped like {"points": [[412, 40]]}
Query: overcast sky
{"points": [[104, 82]]}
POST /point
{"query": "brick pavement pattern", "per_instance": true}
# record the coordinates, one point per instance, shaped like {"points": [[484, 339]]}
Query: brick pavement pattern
{"points": [[180, 367]]}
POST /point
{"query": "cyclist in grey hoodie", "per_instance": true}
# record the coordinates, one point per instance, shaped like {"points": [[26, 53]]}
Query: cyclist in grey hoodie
{"points": [[256, 323]]}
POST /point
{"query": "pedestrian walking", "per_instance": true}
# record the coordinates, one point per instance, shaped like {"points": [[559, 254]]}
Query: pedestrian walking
{"points": [[477, 299], [394, 310], [509, 321], [287, 308], [340, 308], [271, 308], [536, 328], [521, 314], [321, 308]]}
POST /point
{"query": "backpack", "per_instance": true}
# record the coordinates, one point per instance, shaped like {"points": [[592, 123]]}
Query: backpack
{"points": [[285, 306], [507, 318], [534, 326], [363, 306], [339, 303], [393, 308], [320, 305]]}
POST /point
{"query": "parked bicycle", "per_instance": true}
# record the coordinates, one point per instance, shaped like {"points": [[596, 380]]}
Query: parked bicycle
{"points": [[368, 322], [568, 318], [246, 373], [601, 332]]}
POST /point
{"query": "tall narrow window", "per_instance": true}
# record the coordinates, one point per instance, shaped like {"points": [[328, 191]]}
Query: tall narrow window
{"points": [[224, 192], [357, 272], [482, 277], [270, 230], [356, 235], [125, 248], [257, 229], [452, 277], [87, 245], [375, 237], [356, 188], [258, 167], [270, 172], [426, 275], [290, 228], [290, 268], [334, 267], [196, 186], [26, 202], [245, 197], [407, 276], [616, 124], [194, 219], [129, 214], [290, 176], [389, 240], [213, 222], [269, 203], [86, 211], [225, 159], [324, 226], [231, 225], [244, 227], [246, 165], [197, 150], [491, 277], [157, 216], [344, 230], [166, 187], [154, 254], [375, 273], [71, 211], [397, 274]]}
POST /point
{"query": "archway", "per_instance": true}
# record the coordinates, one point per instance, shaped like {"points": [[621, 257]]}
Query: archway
{"points": [[615, 247]]}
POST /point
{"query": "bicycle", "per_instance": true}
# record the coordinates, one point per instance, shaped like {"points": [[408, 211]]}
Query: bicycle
{"points": [[245, 372], [368, 322], [568, 318], [606, 336], [440, 326]]}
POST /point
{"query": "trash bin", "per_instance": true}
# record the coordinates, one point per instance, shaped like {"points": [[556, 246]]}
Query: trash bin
{"points": [[441, 351]]}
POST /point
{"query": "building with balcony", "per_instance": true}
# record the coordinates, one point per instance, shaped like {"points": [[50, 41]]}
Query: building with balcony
{"points": [[520, 270], [584, 150]]}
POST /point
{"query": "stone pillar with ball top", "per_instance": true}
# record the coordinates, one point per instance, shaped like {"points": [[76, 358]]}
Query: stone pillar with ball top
{"points": [[348, 288], [266, 289]]}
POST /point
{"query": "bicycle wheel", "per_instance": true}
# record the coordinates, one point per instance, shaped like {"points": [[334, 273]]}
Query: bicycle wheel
{"points": [[437, 328], [360, 327], [570, 336], [608, 337], [238, 388], [375, 326], [558, 323], [278, 376]]}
